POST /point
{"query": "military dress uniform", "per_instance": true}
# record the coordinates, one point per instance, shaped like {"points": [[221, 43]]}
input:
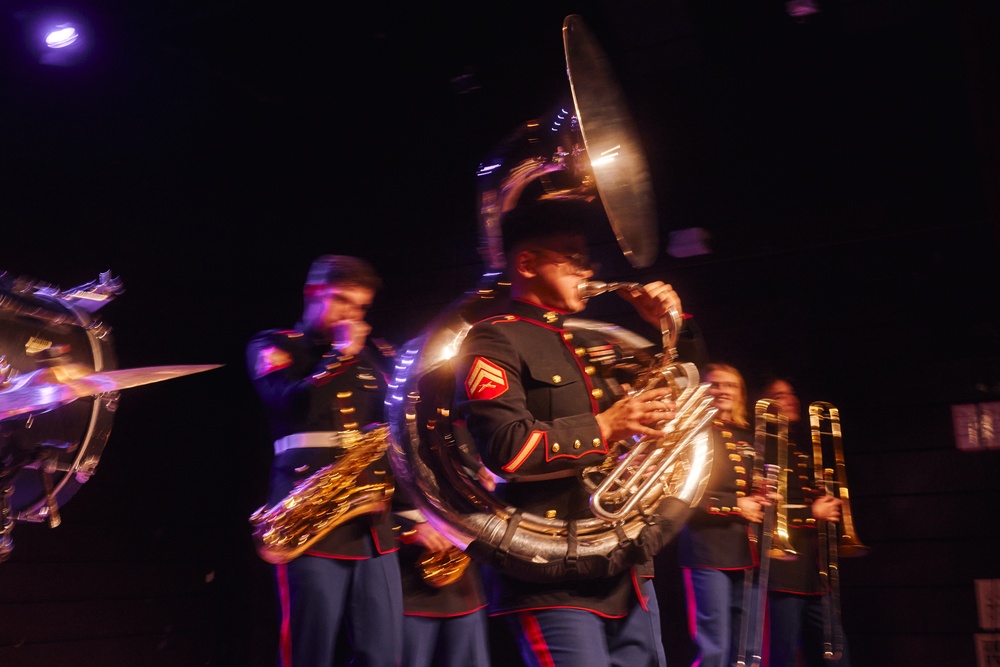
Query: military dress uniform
{"points": [[796, 591], [529, 398], [715, 551], [350, 576], [443, 626]]}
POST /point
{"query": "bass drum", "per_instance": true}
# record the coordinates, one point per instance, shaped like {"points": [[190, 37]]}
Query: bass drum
{"points": [[46, 456]]}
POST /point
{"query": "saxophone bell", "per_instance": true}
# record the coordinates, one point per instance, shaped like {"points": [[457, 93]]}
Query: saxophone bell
{"points": [[326, 499]]}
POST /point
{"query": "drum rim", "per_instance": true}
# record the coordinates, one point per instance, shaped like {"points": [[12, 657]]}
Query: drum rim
{"points": [[87, 455]]}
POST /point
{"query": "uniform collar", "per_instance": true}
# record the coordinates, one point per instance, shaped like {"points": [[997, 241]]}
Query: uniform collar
{"points": [[529, 311]]}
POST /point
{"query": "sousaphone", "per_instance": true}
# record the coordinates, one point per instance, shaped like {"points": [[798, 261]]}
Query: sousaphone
{"points": [[586, 148]]}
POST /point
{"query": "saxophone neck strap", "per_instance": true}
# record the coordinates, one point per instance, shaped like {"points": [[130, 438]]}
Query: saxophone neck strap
{"points": [[313, 439]]}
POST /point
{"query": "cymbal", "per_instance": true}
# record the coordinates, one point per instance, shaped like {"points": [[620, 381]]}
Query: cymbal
{"points": [[49, 388]]}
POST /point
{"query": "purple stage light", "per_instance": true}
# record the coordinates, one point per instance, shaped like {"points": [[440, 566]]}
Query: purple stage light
{"points": [[61, 36]]}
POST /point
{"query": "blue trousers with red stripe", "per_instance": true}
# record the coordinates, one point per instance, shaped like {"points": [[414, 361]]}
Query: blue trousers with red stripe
{"points": [[579, 638], [318, 595]]}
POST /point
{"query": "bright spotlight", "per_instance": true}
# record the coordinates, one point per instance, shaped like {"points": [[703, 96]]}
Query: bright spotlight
{"points": [[61, 36], [56, 36]]}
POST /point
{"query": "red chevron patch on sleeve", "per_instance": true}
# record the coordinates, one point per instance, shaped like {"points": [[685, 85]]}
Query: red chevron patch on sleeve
{"points": [[271, 359], [485, 380]]}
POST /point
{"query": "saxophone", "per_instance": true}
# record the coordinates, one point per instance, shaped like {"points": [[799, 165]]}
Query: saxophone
{"points": [[326, 499], [442, 569]]}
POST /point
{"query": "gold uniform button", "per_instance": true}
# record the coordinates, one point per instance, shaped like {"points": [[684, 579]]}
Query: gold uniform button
{"points": [[739, 470], [596, 392], [550, 514], [580, 351], [731, 446], [567, 336], [576, 444], [557, 378], [597, 442], [736, 458], [550, 317], [727, 434], [589, 370], [555, 446]]}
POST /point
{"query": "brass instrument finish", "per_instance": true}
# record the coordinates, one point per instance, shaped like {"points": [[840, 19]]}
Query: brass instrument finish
{"points": [[773, 543], [615, 153], [444, 568], [324, 500], [586, 150], [824, 421], [835, 540]]}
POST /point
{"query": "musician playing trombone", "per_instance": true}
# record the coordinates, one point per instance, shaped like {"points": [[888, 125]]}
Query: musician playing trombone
{"points": [[538, 417], [797, 593], [714, 548]]}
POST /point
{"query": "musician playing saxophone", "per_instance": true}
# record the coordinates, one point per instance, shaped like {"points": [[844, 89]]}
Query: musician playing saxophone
{"points": [[444, 607], [317, 381], [714, 546], [538, 414], [797, 593]]}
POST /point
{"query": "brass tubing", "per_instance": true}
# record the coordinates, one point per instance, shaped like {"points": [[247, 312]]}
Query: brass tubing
{"points": [[835, 540], [770, 443]]}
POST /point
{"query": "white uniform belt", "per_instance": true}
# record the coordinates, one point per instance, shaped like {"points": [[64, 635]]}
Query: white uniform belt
{"points": [[314, 439]]}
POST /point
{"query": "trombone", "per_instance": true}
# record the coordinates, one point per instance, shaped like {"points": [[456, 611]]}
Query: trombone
{"points": [[834, 542], [770, 444]]}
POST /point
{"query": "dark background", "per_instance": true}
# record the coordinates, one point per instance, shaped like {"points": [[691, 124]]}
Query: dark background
{"points": [[844, 168]]}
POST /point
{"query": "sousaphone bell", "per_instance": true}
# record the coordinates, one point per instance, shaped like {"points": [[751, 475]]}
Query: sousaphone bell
{"points": [[586, 149]]}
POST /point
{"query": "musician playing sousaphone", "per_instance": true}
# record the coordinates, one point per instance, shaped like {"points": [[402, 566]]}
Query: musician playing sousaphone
{"points": [[322, 388], [539, 414]]}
